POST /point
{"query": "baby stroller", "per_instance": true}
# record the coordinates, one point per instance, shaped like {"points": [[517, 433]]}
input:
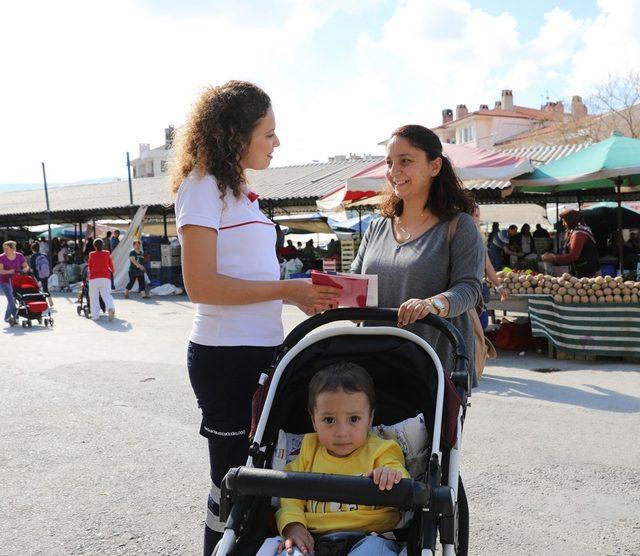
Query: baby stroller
{"points": [[60, 271], [409, 380], [84, 306], [32, 303]]}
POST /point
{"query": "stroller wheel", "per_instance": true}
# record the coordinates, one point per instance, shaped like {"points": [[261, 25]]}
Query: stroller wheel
{"points": [[463, 520], [24, 324], [29, 324], [86, 312], [79, 310], [51, 322]]}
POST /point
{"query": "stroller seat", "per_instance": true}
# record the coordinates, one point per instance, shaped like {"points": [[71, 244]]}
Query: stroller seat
{"points": [[31, 302], [409, 381]]}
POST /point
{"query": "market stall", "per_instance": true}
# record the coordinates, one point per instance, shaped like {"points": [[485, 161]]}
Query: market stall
{"points": [[586, 316]]}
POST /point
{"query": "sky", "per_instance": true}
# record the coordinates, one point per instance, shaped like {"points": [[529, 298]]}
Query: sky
{"points": [[84, 81]]}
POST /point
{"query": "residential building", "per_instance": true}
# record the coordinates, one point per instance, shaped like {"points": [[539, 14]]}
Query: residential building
{"points": [[487, 127], [580, 128], [153, 162]]}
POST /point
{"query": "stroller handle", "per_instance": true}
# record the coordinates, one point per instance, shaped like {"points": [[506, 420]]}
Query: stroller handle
{"points": [[460, 374], [249, 481]]}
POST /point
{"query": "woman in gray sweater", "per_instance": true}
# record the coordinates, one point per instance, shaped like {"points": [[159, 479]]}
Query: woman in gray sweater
{"points": [[426, 249]]}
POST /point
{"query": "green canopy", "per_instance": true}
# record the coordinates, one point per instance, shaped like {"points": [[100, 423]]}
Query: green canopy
{"points": [[616, 159]]}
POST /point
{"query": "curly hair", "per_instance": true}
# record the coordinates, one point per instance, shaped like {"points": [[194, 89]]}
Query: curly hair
{"points": [[447, 196], [217, 134]]}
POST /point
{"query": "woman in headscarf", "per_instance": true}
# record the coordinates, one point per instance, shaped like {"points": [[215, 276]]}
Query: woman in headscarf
{"points": [[580, 249]]}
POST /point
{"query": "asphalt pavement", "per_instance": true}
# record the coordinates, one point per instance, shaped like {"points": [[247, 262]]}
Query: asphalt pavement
{"points": [[100, 452]]}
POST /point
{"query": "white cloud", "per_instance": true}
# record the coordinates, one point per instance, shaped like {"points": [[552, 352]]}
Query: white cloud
{"points": [[84, 81], [611, 45], [89, 81]]}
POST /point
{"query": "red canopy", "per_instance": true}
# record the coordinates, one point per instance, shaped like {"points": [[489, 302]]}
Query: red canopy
{"points": [[470, 163]]}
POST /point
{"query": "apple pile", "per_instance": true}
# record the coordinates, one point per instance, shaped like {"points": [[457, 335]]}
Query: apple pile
{"points": [[569, 289]]}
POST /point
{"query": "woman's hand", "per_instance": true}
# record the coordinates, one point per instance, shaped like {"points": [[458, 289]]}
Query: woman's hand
{"points": [[310, 311], [296, 534], [311, 297], [385, 477], [547, 257], [502, 292], [414, 309]]}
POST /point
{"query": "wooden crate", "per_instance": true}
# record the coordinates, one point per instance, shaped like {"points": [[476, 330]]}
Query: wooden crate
{"points": [[348, 250], [330, 265]]}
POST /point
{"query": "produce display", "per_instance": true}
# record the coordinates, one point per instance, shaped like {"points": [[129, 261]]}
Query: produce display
{"points": [[569, 289]]}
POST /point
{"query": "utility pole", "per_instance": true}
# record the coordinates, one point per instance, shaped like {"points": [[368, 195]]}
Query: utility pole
{"points": [[46, 196], [130, 187]]}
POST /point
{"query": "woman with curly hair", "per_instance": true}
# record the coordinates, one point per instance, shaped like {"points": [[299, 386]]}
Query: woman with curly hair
{"points": [[426, 250], [230, 269]]}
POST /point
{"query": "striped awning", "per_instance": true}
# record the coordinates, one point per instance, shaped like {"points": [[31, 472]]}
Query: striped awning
{"points": [[598, 329]]}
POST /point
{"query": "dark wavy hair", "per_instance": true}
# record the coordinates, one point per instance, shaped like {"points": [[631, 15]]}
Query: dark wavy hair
{"points": [[217, 134], [447, 196]]}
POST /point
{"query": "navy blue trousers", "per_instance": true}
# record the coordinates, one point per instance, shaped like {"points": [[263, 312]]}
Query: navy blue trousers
{"points": [[224, 379]]}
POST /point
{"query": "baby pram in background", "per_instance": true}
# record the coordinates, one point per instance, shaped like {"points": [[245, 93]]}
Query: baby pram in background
{"points": [[60, 272], [410, 381], [84, 307], [31, 301]]}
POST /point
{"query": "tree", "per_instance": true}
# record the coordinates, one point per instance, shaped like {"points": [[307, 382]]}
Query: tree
{"points": [[615, 106]]}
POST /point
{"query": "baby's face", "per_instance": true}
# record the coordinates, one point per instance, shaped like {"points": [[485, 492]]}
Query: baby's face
{"points": [[342, 421]]}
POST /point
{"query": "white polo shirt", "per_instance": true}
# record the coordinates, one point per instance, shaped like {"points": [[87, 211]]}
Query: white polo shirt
{"points": [[246, 250]]}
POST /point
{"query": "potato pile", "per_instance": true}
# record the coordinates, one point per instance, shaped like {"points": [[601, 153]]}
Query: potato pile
{"points": [[569, 289]]}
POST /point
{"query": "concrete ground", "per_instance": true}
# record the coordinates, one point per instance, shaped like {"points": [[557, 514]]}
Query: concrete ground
{"points": [[100, 452]]}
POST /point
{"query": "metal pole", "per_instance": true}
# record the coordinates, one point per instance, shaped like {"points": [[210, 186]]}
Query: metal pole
{"points": [[130, 187], [557, 225], [618, 183], [164, 221], [46, 196]]}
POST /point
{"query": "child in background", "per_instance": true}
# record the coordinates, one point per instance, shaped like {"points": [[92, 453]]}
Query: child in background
{"points": [[341, 404]]}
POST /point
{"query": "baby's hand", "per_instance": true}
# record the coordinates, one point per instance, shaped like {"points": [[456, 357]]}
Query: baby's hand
{"points": [[385, 477], [296, 534]]}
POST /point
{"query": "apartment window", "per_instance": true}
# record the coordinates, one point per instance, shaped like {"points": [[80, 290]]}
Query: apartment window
{"points": [[163, 166], [467, 134]]}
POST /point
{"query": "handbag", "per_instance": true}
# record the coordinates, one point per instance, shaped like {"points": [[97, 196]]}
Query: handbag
{"points": [[484, 349]]}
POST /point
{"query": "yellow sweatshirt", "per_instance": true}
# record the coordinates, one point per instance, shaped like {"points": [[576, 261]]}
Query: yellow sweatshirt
{"points": [[325, 517]]}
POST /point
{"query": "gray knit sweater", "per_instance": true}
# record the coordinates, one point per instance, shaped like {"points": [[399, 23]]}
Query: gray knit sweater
{"points": [[427, 266]]}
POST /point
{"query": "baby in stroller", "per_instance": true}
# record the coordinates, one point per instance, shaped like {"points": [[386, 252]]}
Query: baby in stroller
{"points": [[418, 402], [341, 405]]}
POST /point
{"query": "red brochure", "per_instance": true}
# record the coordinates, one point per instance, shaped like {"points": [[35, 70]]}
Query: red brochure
{"points": [[358, 290]]}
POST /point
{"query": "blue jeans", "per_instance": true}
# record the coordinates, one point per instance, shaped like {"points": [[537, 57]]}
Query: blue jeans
{"points": [[369, 546], [11, 302]]}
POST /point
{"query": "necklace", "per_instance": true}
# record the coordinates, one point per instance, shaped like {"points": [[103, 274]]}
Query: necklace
{"points": [[407, 234]]}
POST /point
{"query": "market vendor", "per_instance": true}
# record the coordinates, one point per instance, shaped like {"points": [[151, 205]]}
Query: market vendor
{"points": [[580, 249], [502, 246]]}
